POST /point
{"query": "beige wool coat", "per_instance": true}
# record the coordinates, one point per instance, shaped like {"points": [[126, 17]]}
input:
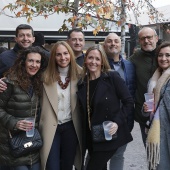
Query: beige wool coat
{"points": [[49, 121]]}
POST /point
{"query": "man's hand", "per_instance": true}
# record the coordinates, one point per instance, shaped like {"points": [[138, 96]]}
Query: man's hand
{"points": [[3, 86]]}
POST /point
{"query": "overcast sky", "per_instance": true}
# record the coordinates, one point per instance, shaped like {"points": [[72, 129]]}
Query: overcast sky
{"points": [[159, 3]]}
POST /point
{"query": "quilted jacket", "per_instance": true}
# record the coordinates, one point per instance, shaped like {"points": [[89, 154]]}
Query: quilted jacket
{"points": [[15, 104]]}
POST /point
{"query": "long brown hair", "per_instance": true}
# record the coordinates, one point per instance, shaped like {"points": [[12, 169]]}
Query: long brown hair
{"points": [[51, 74], [19, 75], [162, 45]]}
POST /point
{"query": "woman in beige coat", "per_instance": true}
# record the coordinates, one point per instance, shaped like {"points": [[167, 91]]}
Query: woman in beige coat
{"points": [[60, 117]]}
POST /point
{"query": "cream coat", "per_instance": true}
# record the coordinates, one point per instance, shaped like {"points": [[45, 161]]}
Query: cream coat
{"points": [[49, 121]]}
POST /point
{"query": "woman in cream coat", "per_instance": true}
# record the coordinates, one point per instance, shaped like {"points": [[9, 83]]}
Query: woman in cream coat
{"points": [[60, 117]]}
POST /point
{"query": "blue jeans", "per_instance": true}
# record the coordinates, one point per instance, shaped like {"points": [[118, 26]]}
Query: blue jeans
{"points": [[35, 166], [63, 149], [117, 160]]}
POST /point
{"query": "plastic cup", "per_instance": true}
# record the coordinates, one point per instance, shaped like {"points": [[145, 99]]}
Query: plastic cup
{"points": [[106, 126], [150, 106], [30, 133], [149, 97]]}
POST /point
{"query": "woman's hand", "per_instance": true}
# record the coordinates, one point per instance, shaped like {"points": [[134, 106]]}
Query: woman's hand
{"points": [[24, 125], [3, 86], [145, 107], [113, 129]]}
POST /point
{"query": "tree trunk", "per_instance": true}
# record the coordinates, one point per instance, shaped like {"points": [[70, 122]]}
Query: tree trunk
{"points": [[76, 3], [123, 23]]}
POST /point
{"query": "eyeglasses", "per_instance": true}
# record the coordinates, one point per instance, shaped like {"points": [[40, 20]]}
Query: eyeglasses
{"points": [[147, 37]]}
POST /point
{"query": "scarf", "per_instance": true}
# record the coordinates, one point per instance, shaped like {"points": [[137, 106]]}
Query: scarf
{"points": [[157, 81]]}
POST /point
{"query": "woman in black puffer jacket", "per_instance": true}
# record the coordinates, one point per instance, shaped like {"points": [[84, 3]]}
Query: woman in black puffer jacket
{"points": [[18, 102]]}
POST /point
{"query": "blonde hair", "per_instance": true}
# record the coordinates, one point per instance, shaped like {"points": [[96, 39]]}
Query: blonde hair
{"points": [[105, 63], [51, 74]]}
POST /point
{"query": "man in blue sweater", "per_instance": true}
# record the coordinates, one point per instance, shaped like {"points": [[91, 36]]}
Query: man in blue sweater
{"points": [[126, 69], [24, 39]]}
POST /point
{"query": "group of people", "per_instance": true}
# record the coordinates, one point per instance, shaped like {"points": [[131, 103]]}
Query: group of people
{"points": [[77, 91]]}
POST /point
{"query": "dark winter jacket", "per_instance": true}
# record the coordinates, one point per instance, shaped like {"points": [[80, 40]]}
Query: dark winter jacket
{"points": [[106, 106], [130, 80], [80, 60], [15, 104], [7, 59], [145, 65]]}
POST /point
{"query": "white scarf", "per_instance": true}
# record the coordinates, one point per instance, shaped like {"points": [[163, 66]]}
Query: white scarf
{"points": [[157, 81]]}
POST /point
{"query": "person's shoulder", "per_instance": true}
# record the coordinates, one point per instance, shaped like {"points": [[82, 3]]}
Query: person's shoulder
{"points": [[112, 73], [4, 53], [7, 53], [82, 83], [79, 68], [137, 54], [128, 63], [8, 80]]}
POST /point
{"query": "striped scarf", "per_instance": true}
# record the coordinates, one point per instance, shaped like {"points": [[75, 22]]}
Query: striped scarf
{"points": [[157, 81]]}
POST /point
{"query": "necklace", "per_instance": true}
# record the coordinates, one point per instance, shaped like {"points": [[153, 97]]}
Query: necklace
{"points": [[63, 85]]}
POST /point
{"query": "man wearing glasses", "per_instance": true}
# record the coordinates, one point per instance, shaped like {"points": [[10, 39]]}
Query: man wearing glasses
{"points": [[145, 63]]}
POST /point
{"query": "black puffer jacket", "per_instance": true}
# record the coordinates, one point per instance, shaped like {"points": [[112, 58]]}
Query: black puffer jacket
{"points": [[15, 104]]}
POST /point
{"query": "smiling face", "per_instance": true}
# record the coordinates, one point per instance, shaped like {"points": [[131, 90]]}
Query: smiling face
{"points": [[164, 58], [112, 45], [24, 38], [148, 39], [62, 56], [93, 62], [33, 63]]}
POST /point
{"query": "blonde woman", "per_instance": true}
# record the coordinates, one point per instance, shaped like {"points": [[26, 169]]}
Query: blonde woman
{"points": [[60, 118], [100, 92]]}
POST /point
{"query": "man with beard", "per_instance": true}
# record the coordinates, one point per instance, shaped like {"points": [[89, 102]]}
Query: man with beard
{"points": [[112, 46], [144, 60]]}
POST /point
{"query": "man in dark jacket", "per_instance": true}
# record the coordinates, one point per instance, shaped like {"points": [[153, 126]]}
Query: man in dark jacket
{"points": [[76, 40], [144, 60], [24, 39], [126, 69]]}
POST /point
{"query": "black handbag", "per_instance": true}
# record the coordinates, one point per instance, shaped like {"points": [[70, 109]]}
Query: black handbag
{"points": [[21, 145], [97, 132]]}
